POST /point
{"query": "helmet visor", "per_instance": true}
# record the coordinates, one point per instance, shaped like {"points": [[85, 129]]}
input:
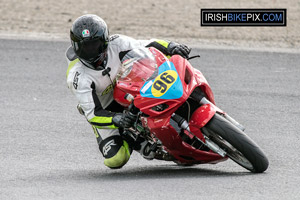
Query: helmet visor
{"points": [[99, 63], [91, 50]]}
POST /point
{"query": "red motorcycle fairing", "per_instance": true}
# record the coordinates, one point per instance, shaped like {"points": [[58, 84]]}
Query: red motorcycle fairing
{"points": [[190, 79], [173, 143], [158, 120]]}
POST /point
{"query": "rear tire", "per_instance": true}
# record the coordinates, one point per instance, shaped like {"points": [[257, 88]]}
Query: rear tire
{"points": [[238, 146]]}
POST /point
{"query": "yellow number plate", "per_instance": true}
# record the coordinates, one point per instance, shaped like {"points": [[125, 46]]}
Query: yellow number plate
{"points": [[163, 82]]}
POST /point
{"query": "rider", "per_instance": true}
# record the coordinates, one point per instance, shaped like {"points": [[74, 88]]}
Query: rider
{"points": [[94, 61]]}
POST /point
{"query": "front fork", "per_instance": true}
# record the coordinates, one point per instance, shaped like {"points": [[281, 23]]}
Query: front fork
{"points": [[208, 143], [201, 117]]}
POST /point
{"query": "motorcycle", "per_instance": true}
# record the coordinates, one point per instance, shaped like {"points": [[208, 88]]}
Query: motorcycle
{"points": [[177, 114]]}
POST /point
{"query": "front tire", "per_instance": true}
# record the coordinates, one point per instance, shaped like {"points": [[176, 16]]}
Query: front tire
{"points": [[238, 146]]}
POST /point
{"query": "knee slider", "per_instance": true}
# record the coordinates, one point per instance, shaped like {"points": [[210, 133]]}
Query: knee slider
{"points": [[115, 151]]}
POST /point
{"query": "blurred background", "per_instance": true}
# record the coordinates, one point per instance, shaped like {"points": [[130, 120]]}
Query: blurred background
{"points": [[166, 19]]}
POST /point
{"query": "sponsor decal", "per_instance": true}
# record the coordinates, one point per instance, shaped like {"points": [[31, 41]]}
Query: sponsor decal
{"points": [[113, 37], [107, 147], [107, 90], [75, 80]]}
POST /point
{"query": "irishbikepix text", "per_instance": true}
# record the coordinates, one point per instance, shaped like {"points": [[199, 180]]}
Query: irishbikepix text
{"points": [[243, 17]]}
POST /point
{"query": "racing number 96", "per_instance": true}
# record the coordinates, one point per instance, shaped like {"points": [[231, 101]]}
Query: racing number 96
{"points": [[160, 86], [163, 82]]}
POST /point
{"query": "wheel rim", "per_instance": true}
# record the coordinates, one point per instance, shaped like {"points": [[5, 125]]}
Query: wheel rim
{"points": [[231, 151], [239, 158]]}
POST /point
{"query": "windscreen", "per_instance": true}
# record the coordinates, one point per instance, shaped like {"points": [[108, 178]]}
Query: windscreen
{"points": [[137, 65]]}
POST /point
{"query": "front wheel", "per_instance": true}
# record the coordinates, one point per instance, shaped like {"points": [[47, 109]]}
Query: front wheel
{"points": [[237, 145]]}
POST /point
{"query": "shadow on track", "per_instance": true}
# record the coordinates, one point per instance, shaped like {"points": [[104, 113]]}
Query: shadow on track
{"points": [[164, 172], [135, 173]]}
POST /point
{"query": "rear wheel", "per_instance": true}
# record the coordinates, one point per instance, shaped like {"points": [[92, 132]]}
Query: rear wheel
{"points": [[237, 145]]}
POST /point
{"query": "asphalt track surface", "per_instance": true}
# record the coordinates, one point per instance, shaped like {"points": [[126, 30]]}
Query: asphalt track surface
{"points": [[48, 150]]}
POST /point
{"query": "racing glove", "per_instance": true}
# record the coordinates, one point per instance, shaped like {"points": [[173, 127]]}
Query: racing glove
{"points": [[124, 120], [179, 49]]}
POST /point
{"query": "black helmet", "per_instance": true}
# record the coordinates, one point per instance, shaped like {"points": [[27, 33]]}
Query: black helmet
{"points": [[89, 38]]}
